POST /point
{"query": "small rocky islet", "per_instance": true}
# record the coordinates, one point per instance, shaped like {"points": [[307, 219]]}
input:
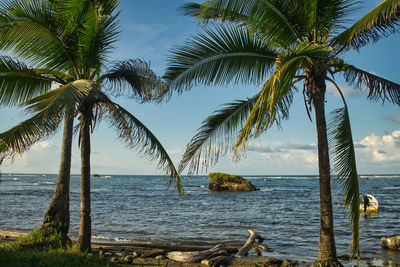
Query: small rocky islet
{"points": [[223, 182]]}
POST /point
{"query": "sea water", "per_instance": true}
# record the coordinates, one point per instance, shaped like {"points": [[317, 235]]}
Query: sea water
{"points": [[139, 208]]}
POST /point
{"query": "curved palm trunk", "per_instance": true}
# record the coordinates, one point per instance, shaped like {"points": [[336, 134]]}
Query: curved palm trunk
{"points": [[326, 247], [57, 215], [85, 222]]}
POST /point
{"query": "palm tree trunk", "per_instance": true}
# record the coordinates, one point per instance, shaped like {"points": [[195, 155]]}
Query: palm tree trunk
{"points": [[326, 247], [57, 216], [85, 223]]}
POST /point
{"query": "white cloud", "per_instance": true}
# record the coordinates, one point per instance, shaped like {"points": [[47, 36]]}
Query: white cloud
{"points": [[380, 150], [42, 157], [347, 91]]}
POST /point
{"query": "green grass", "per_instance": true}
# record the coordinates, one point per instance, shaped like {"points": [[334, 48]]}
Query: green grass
{"points": [[40, 249]]}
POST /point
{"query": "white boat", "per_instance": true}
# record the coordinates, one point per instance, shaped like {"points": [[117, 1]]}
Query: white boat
{"points": [[372, 206]]}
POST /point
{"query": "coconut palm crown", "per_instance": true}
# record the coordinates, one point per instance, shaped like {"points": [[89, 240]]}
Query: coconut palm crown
{"points": [[283, 44], [65, 45]]}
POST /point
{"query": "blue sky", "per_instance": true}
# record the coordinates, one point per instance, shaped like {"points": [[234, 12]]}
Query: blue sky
{"points": [[149, 29]]}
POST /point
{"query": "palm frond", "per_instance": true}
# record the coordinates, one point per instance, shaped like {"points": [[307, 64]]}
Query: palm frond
{"points": [[42, 125], [344, 161], [207, 13], [276, 20], [18, 83], [143, 83], [377, 87], [68, 96], [32, 31], [380, 22], [99, 31], [277, 93], [220, 56], [272, 107], [137, 136], [345, 166], [324, 17], [217, 133]]}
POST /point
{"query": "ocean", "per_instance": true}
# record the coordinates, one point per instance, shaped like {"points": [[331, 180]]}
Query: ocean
{"points": [[140, 208]]}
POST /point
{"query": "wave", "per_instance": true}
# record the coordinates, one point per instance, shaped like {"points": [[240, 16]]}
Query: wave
{"points": [[392, 187], [9, 179], [47, 183], [107, 176], [101, 237], [380, 176]]}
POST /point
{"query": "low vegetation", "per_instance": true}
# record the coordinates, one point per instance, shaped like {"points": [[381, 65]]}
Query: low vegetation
{"points": [[226, 177], [41, 248]]}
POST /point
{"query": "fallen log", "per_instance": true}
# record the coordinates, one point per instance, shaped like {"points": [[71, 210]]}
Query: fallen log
{"points": [[196, 256], [216, 255]]}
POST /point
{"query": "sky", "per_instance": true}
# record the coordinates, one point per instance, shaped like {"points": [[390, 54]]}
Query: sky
{"points": [[149, 30]]}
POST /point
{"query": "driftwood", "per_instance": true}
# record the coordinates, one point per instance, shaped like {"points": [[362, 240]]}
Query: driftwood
{"points": [[216, 255], [196, 256], [250, 242]]}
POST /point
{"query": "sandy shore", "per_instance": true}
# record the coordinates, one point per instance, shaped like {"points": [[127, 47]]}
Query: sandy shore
{"points": [[133, 254]]}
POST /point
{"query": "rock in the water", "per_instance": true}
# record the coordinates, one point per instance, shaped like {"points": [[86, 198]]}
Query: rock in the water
{"points": [[391, 242], [96, 175], [230, 183]]}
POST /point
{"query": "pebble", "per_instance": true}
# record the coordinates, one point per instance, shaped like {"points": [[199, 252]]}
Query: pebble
{"points": [[107, 254], [161, 257], [136, 254], [114, 259]]}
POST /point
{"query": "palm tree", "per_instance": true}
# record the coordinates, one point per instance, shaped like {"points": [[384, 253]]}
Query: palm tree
{"points": [[78, 53], [27, 26], [280, 43]]}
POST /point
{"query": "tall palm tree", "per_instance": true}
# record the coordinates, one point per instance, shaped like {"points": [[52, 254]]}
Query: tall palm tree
{"points": [[280, 44], [90, 29]]}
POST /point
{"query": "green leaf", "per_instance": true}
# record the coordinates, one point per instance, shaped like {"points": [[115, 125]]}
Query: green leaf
{"points": [[377, 87], [143, 83], [220, 56], [344, 160], [380, 22], [276, 20], [68, 96], [18, 83], [31, 31]]}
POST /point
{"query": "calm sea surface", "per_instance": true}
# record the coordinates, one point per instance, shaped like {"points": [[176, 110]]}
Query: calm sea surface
{"points": [[140, 208]]}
